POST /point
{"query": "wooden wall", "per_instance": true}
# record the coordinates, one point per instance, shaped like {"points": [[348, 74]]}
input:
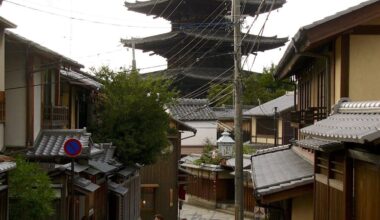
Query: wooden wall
{"points": [[163, 176]]}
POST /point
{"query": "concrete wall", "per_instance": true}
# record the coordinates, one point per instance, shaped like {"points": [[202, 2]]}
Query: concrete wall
{"points": [[302, 207], [205, 130], [364, 67], [15, 122]]}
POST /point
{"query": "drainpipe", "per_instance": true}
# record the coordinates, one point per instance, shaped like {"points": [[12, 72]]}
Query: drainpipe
{"points": [[193, 135]]}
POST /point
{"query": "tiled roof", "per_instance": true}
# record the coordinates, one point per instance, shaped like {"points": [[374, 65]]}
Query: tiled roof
{"points": [[108, 153], [160, 42], [192, 110], [117, 188], [319, 144], [85, 184], [356, 122], [6, 166], [49, 143], [80, 78], [250, 6], [127, 171], [102, 166], [246, 162], [283, 103], [278, 170], [228, 112]]}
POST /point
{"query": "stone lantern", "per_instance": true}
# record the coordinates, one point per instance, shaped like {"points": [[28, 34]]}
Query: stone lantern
{"points": [[225, 144]]}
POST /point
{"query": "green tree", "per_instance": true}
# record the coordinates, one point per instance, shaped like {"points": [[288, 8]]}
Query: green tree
{"points": [[130, 113], [220, 94], [30, 192], [263, 87], [256, 87]]}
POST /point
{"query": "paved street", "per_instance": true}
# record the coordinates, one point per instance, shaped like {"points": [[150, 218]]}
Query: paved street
{"points": [[190, 212]]}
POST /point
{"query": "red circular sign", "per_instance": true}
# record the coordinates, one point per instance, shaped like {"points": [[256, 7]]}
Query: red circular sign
{"points": [[72, 147]]}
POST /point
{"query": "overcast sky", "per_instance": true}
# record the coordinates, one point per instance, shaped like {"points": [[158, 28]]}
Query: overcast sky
{"points": [[89, 31]]}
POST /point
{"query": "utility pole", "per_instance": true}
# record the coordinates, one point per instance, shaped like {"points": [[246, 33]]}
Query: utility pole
{"points": [[133, 55], [239, 191]]}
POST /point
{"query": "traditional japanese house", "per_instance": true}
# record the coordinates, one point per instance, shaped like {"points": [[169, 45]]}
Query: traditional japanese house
{"points": [[283, 183], [198, 114], [44, 90], [208, 184], [5, 166], [271, 121], [225, 120], [199, 47], [4, 24], [330, 59], [160, 183]]}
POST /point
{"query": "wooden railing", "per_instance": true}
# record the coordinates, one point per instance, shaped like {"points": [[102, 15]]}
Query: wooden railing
{"points": [[307, 117], [55, 117]]}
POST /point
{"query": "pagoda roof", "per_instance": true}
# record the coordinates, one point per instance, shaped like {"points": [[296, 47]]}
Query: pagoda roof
{"points": [[197, 73], [162, 42], [165, 8]]}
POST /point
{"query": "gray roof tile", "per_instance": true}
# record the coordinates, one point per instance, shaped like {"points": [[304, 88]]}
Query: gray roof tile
{"points": [[108, 153], [49, 143], [279, 169], [192, 110], [319, 144], [228, 112], [6, 166], [356, 122], [102, 166], [117, 188], [85, 184], [282, 103]]}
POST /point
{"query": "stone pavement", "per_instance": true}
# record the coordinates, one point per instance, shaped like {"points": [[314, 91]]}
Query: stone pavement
{"points": [[190, 212]]}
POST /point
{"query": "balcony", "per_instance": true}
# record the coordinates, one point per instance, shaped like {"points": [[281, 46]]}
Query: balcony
{"points": [[55, 117], [303, 118]]}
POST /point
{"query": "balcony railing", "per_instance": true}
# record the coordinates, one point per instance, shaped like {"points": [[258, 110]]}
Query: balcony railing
{"points": [[55, 117], [307, 117]]}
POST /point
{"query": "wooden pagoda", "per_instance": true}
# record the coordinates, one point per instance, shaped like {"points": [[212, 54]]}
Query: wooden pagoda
{"points": [[199, 47]]}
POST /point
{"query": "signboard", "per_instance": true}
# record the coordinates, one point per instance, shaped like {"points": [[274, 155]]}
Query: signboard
{"points": [[72, 147]]}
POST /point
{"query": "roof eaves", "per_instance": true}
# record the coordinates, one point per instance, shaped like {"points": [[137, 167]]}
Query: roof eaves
{"points": [[301, 41], [6, 24], [42, 48]]}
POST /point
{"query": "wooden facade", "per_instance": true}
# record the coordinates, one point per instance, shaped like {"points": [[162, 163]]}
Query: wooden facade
{"points": [[159, 181], [337, 58]]}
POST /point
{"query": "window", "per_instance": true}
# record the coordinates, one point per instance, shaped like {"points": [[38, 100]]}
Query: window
{"points": [[147, 199]]}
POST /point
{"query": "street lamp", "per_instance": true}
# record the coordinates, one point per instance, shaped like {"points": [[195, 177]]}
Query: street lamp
{"points": [[225, 144]]}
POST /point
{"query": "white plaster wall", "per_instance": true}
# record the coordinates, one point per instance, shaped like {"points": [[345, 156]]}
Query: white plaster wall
{"points": [[15, 121], [37, 104], [205, 130]]}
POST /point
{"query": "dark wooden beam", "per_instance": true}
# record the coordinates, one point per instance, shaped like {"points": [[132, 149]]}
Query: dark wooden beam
{"points": [[366, 30], [287, 194], [364, 156], [345, 66]]}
